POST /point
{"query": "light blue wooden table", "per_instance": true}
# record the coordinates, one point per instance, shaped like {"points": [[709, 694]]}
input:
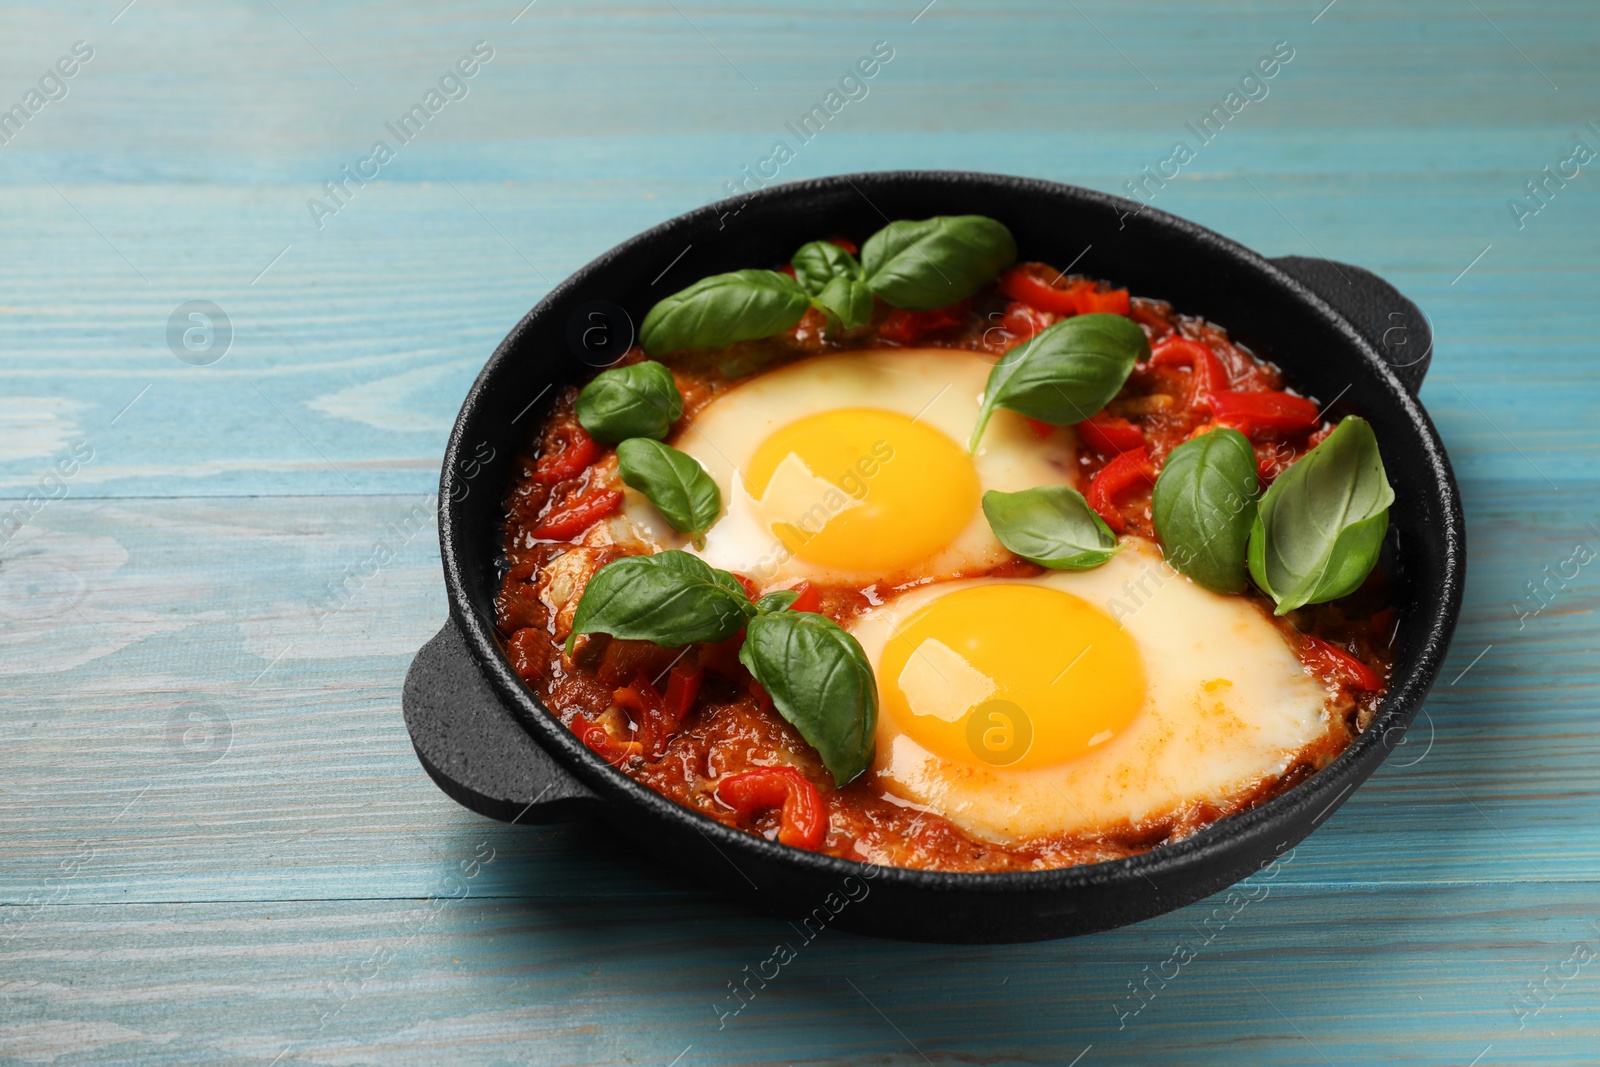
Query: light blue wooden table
{"points": [[216, 846]]}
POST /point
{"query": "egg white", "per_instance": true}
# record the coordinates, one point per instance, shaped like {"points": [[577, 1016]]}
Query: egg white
{"points": [[1195, 738], [938, 387]]}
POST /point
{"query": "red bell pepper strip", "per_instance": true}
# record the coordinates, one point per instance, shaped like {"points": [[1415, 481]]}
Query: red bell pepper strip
{"points": [[804, 822], [844, 243], [1207, 374], [1114, 301], [1024, 283], [1041, 430], [573, 451], [1028, 284], [1125, 472], [751, 591], [1326, 659], [643, 704], [905, 327], [808, 599], [683, 685], [1254, 414], [572, 517], [660, 717], [601, 743], [1109, 435]]}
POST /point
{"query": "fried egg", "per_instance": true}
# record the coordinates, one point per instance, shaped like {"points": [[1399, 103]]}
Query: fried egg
{"points": [[853, 468], [1082, 701]]}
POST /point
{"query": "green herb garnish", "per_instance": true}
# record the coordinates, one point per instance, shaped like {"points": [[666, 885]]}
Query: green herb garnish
{"points": [[1320, 526]]}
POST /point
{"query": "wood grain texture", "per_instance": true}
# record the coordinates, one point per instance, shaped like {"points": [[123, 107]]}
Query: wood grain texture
{"points": [[216, 846], [1424, 976]]}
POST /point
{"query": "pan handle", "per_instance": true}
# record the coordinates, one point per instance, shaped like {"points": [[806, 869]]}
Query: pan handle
{"points": [[475, 750], [1395, 326]]}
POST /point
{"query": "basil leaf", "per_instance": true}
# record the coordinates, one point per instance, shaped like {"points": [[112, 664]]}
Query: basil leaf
{"points": [[671, 598], [1053, 526], [1066, 373], [820, 262], [1204, 505], [849, 299], [723, 309], [776, 601], [819, 680], [674, 481], [934, 262], [637, 401], [1320, 525]]}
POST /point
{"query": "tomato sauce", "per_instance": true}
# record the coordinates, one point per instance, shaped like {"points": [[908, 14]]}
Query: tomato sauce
{"points": [[684, 721]]}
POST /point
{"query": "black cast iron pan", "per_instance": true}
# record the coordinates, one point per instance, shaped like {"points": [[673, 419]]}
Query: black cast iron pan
{"points": [[1339, 332]]}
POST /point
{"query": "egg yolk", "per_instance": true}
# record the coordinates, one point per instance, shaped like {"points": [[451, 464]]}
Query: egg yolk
{"points": [[861, 489], [1011, 675]]}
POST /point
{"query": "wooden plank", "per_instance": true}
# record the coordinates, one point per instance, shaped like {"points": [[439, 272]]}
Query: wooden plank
{"points": [[1405, 975], [342, 379], [958, 68]]}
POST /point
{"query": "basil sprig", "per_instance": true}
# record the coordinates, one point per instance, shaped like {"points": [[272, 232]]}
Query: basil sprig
{"points": [[1320, 526], [848, 299], [933, 262], [819, 679], [674, 481], [819, 262], [1066, 373], [832, 278], [637, 401], [1204, 505], [1053, 526], [816, 673], [671, 598], [914, 265], [724, 309]]}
